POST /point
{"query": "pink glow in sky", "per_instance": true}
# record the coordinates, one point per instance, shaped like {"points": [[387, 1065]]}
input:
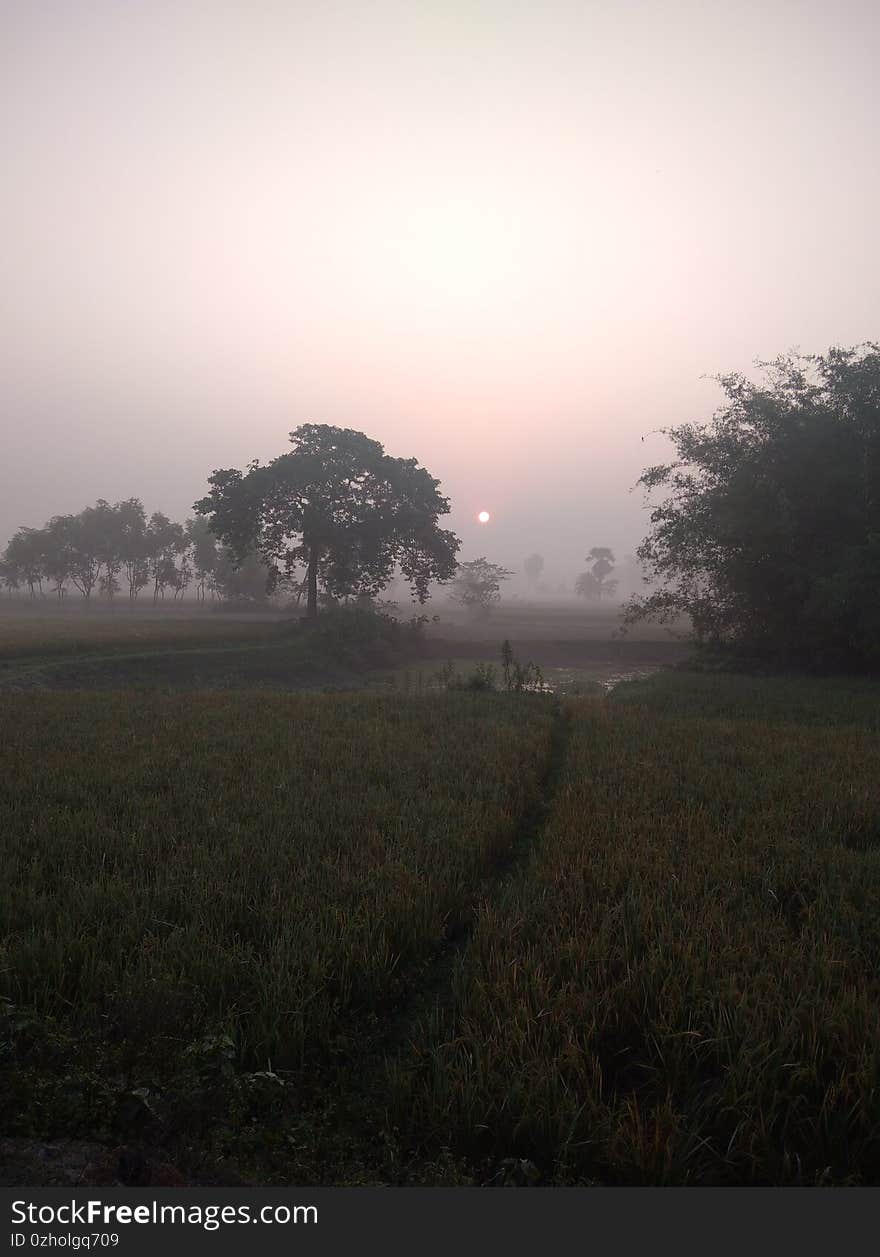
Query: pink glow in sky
{"points": [[505, 238]]}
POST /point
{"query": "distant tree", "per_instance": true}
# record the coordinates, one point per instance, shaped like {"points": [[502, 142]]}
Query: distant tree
{"points": [[90, 550], [110, 529], [55, 551], [533, 567], [477, 585], [769, 533], [240, 580], [182, 575], [83, 549], [594, 582], [27, 557], [204, 552], [340, 507], [134, 544], [10, 576], [586, 586], [166, 542]]}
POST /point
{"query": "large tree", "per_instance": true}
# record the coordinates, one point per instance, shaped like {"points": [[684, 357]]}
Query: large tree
{"points": [[769, 533], [341, 508]]}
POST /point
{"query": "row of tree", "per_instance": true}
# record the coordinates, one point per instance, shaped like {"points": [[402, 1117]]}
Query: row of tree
{"points": [[601, 580], [767, 536], [107, 550], [477, 584]]}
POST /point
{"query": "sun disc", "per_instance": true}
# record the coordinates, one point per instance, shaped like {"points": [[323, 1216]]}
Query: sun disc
{"points": [[483, 517]]}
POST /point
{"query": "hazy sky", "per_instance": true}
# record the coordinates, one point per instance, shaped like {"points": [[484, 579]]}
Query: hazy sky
{"points": [[505, 238]]}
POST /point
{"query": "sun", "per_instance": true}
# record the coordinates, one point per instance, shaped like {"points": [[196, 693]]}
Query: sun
{"points": [[484, 517]]}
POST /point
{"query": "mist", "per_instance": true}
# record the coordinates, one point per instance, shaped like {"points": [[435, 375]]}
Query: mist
{"points": [[508, 240]]}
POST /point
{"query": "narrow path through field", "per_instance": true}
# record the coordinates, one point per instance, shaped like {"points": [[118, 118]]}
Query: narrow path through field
{"points": [[435, 979], [431, 989]]}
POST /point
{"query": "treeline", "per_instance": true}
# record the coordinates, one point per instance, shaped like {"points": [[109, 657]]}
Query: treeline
{"points": [[106, 551]]}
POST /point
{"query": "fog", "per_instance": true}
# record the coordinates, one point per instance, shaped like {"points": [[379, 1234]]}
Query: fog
{"points": [[507, 239]]}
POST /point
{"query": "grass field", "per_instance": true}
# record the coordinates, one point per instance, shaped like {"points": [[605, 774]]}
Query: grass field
{"points": [[271, 870], [427, 937], [681, 984], [817, 701], [32, 636], [124, 648]]}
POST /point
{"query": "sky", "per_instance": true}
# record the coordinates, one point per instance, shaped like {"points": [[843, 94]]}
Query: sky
{"points": [[509, 239]]}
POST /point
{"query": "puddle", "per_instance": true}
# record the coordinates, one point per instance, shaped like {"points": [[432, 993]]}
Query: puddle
{"points": [[639, 674], [564, 681]]}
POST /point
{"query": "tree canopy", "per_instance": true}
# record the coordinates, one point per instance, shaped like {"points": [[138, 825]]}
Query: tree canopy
{"points": [[769, 533], [105, 548], [477, 585], [594, 582], [339, 506]]}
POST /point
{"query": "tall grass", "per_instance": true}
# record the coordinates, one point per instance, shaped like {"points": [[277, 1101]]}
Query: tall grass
{"points": [[827, 701], [274, 869], [683, 984]]}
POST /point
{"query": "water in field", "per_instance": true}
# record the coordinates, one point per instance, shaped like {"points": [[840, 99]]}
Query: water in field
{"points": [[571, 681]]}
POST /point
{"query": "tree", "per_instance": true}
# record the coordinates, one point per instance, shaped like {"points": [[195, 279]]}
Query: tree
{"points": [[594, 583], [56, 550], [131, 519], [10, 575], [166, 542], [75, 547], [86, 536], [340, 507], [205, 557], [244, 580], [769, 534], [533, 567], [25, 559], [110, 542], [585, 586], [477, 585]]}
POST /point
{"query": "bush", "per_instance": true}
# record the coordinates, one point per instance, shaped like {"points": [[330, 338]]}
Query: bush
{"points": [[518, 678], [364, 633]]}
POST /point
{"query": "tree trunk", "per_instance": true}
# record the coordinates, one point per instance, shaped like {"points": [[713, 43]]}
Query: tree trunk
{"points": [[312, 578]]}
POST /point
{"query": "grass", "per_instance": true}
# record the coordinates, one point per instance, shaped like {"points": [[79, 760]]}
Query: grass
{"points": [[72, 652], [261, 875], [124, 648], [25, 637], [818, 702], [521, 619], [430, 937], [681, 985]]}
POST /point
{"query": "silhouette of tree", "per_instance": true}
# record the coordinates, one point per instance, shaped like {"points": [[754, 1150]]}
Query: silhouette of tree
{"points": [[340, 506]]}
